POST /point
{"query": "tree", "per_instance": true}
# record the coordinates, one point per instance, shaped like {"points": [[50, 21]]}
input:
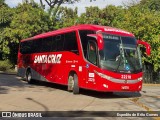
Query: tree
{"points": [[91, 16], [108, 16], [5, 16], [5, 19], [66, 17], [55, 4], [2, 3], [144, 23], [151, 4], [28, 20]]}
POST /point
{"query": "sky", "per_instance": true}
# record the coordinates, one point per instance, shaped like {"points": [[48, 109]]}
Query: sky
{"points": [[81, 5]]}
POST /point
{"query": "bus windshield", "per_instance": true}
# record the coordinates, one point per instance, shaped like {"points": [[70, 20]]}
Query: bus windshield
{"points": [[120, 54]]}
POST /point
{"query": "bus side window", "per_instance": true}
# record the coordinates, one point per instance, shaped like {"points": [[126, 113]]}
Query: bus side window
{"points": [[54, 44], [70, 43], [37, 46], [26, 47], [60, 42], [92, 52], [47, 44]]}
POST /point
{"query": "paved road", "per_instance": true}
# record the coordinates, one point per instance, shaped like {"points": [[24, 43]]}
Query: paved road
{"points": [[17, 95]]}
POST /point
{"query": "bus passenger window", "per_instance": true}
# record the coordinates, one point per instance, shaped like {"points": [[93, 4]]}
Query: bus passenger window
{"points": [[70, 43], [60, 42]]}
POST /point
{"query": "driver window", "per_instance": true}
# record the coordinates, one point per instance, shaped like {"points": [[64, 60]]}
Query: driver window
{"points": [[92, 52]]}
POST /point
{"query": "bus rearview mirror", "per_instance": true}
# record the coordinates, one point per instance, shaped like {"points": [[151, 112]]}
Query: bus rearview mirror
{"points": [[99, 39], [147, 45]]}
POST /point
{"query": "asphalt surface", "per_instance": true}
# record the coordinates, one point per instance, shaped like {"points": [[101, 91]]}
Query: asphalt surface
{"points": [[17, 95]]}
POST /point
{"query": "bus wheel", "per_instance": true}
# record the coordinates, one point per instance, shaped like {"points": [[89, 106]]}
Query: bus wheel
{"points": [[73, 84], [70, 83], [29, 77]]}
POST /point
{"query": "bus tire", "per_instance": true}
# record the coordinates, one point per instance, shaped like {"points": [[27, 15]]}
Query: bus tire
{"points": [[73, 83], [70, 83], [29, 77]]}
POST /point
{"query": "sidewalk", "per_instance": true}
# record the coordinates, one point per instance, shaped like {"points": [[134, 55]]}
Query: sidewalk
{"points": [[150, 84]]}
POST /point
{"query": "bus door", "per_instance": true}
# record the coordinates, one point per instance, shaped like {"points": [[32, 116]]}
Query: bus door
{"points": [[92, 56]]}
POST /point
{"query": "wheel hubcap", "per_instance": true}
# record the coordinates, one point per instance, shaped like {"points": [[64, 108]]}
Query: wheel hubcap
{"points": [[29, 76]]}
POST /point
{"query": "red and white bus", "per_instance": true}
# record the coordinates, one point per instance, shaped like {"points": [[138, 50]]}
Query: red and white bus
{"points": [[92, 57]]}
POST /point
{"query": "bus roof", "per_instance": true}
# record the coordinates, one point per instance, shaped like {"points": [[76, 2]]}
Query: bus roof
{"points": [[106, 29]]}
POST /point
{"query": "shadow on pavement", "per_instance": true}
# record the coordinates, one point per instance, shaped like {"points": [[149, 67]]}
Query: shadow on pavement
{"points": [[8, 81], [91, 93], [49, 85], [111, 95], [11, 81]]}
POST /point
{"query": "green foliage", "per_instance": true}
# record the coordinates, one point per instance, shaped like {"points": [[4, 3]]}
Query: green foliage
{"points": [[65, 17], [2, 3], [5, 20], [5, 16], [28, 20], [5, 65], [151, 4], [109, 16], [91, 16]]}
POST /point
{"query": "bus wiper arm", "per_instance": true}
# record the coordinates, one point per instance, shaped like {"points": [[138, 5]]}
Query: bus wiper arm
{"points": [[123, 54]]}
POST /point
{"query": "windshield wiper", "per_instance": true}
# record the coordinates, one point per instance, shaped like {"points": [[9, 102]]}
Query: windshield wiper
{"points": [[122, 55], [119, 63]]}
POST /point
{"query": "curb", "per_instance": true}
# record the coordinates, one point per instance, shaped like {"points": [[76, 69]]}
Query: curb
{"points": [[145, 84]]}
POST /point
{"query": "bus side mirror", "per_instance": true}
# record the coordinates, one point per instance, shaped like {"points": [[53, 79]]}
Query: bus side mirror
{"points": [[99, 39], [147, 45]]}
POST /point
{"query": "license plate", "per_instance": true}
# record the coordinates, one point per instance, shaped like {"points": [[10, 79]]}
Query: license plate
{"points": [[125, 87]]}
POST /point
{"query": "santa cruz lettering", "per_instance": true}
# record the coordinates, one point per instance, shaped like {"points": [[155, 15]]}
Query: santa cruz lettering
{"points": [[53, 58]]}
